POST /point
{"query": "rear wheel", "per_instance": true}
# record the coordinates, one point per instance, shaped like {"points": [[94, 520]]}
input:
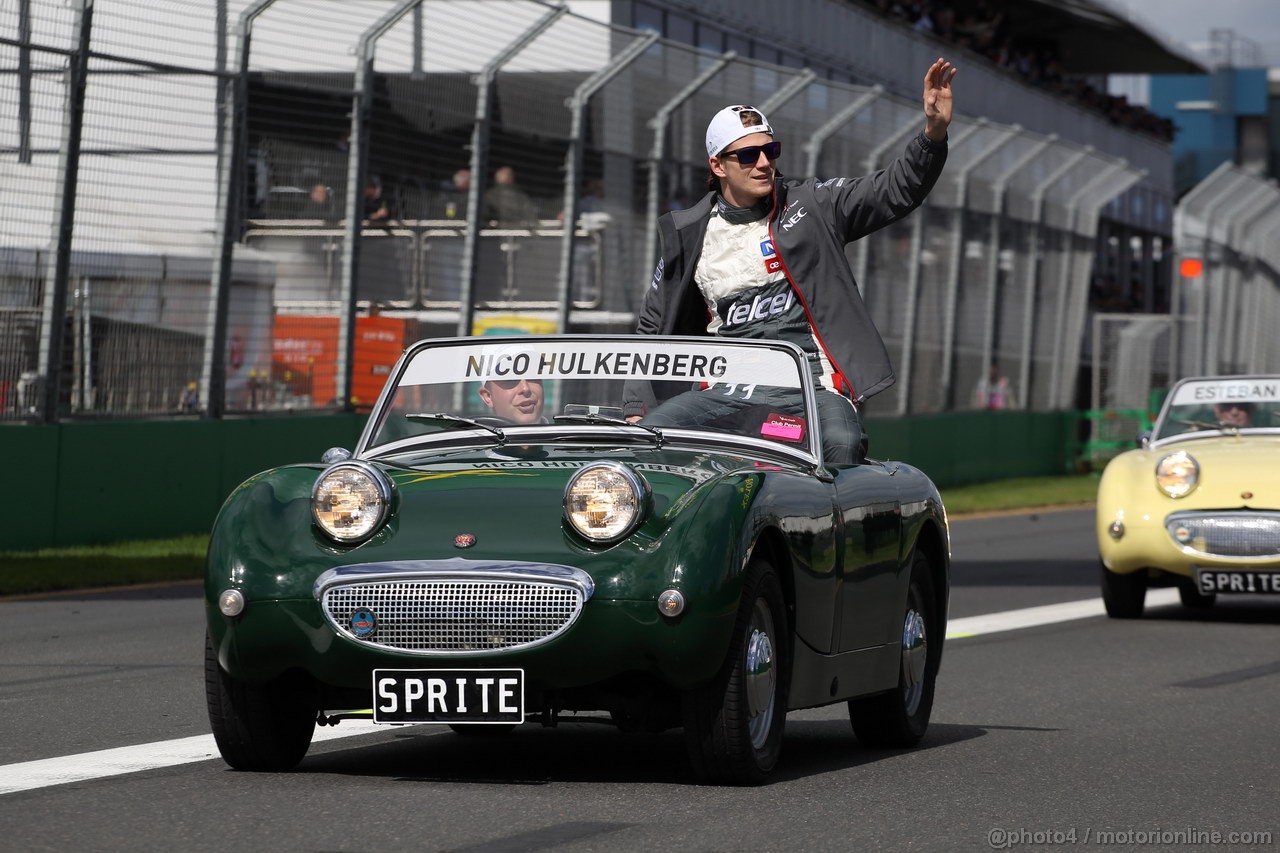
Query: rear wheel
{"points": [[900, 717], [258, 727], [1192, 598], [733, 725], [1124, 595]]}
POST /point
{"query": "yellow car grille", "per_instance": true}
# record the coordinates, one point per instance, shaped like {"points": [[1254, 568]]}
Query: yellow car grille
{"points": [[452, 615], [1227, 534]]}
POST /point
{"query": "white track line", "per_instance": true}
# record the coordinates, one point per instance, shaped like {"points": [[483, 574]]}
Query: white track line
{"points": [[150, 756], [144, 756], [1047, 614]]}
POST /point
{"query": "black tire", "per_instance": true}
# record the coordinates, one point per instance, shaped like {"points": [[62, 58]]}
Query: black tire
{"points": [[900, 717], [1192, 598], [482, 730], [733, 725], [258, 727], [1124, 595]]}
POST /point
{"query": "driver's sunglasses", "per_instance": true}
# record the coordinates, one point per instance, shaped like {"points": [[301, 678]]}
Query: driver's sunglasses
{"points": [[1244, 407], [751, 154], [512, 384]]}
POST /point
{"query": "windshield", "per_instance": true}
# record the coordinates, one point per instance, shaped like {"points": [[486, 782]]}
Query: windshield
{"points": [[542, 386], [1231, 404]]}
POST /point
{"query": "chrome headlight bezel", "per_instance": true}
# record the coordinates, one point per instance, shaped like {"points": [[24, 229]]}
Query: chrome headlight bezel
{"points": [[378, 490], [638, 489], [1177, 474]]}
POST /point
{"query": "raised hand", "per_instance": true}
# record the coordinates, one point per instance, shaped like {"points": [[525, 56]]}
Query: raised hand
{"points": [[937, 99]]}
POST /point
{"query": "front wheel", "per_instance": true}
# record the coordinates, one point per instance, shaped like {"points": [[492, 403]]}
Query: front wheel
{"points": [[1124, 595], [733, 725], [258, 727], [900, 717]]}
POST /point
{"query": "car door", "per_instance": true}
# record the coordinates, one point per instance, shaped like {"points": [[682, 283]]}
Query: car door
{"points": [[867, 500]]}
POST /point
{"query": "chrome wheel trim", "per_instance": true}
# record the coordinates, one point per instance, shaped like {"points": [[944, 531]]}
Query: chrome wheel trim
{"points": [[915, 654], [760, 678]]}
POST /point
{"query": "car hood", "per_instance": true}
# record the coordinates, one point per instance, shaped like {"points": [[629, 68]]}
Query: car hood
{"points": [[508, 496], [1234, 470], [503, 504]]}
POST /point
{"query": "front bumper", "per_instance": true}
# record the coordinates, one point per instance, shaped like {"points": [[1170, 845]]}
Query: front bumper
{"points": [[602, 640], [1180, 542]]}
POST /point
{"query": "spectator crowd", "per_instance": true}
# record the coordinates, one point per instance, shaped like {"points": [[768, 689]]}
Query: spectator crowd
{"points": [[981, 28]]}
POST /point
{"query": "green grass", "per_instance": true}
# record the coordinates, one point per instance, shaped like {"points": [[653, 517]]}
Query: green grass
{"points": [[85, 567], [1025, 493], [58, 569]]}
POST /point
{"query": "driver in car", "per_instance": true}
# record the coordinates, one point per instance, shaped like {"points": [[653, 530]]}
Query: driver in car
{"points": [[1234, 414], [516, 400]]}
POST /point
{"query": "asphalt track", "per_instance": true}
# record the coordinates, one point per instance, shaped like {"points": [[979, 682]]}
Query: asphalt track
{"points": [[1053, 727]]}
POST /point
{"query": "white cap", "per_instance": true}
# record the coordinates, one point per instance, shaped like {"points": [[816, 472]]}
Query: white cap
{"points": [[731, 124]]}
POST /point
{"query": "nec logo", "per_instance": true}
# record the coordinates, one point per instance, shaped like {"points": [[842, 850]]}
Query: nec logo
{"points": [[791, 220], [760, 308]]}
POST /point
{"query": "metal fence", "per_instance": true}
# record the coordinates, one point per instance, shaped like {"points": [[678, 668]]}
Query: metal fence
{"points": [[249, 206], [1228, 289], [1225, 305]]}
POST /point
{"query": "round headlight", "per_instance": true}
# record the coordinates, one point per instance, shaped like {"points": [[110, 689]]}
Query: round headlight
{"points": [[350, 500], [605, 501], [1177, 474]]}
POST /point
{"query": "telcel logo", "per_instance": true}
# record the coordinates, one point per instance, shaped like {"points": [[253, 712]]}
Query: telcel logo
{"points": [[760, 308]]}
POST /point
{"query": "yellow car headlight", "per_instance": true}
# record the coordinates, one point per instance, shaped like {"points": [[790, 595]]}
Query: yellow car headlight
{"points": [[1177, 474], [350, 501], [605, 501]]}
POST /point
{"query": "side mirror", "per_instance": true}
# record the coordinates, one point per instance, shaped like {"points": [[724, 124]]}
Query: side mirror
{"points": [[1144, 439], [335, 454]]}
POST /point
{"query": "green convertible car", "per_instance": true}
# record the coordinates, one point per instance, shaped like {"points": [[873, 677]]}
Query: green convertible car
{"points": [[503, 547]]}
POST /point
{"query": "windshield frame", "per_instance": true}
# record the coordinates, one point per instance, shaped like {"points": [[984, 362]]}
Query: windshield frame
{"points": [[560, 433]]}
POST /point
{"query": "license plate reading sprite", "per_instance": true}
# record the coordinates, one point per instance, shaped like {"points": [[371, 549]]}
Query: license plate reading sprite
{"points": [[448, 696], [1231, 581]]}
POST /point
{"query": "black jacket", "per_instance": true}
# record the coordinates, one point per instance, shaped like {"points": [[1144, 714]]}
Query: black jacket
{"points": [[810, 224]]}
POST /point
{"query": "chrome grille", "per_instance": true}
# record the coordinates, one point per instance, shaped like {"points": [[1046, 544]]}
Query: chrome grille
{"points": [[455, 614], [1227, 534]]}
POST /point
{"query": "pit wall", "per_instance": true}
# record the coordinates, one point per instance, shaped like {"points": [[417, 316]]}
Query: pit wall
{"points": [[87, 483]]}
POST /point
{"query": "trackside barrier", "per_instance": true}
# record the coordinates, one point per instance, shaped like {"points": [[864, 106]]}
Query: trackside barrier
{"points": [[95, 482]]}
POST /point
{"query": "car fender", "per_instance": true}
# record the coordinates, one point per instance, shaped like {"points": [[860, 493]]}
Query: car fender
{"points": [[1127, 494]]}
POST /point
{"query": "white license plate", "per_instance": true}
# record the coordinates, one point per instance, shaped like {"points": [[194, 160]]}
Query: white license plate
{"points": [[448, 696], [1232, 581]]}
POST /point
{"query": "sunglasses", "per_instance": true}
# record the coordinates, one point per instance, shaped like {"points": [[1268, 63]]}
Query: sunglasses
{"points": [[511, 384], [751, 154]]}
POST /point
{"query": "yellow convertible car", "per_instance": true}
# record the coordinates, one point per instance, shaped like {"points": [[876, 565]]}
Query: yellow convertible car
{"points": [[1197, 505]]}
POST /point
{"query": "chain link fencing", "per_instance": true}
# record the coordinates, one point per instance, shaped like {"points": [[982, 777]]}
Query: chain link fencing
{"points": [[236, 207]]}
